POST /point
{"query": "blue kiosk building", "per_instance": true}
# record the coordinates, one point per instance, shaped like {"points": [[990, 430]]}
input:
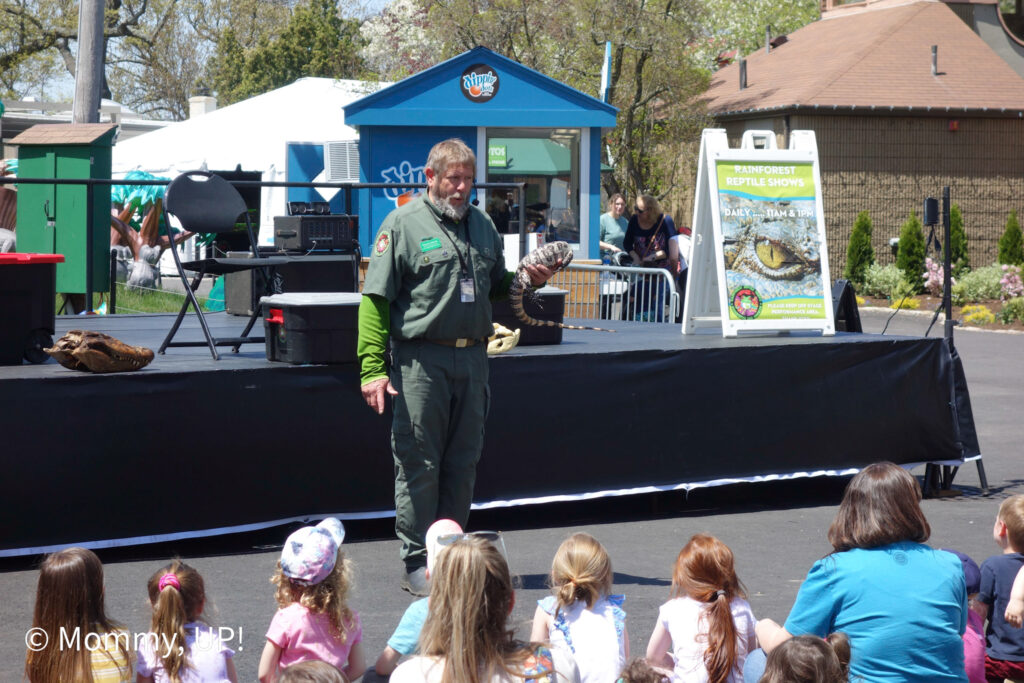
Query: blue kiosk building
{"points": [[523, 126]]}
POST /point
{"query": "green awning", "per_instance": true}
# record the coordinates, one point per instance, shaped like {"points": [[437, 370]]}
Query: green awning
{"points": [[531, 156]]}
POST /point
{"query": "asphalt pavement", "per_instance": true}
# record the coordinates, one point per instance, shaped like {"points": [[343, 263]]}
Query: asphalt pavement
{"points": [[776, 530]]}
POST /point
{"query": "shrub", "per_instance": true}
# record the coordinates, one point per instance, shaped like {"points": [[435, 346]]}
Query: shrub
{"points": [[957, 242], [977, 315], [910, 258], [1010, 284], [881, 280], [981, 284], [859, 253], [934, 277], [903, 296], [1011, 244], [1012, 310]]}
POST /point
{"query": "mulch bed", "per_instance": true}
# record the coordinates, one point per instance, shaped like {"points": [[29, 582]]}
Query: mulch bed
{"points": [[928, 304]]}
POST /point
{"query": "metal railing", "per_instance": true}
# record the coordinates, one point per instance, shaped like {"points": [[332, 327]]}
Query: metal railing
{"points": [[600, 292]]}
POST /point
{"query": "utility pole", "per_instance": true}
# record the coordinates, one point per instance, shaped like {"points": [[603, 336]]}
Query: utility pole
{"points": [[89, 62]]}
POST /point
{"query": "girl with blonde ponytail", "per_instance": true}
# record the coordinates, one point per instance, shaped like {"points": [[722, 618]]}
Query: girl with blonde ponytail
{"points": [[180, 648], [583, 616], [705, 631]]}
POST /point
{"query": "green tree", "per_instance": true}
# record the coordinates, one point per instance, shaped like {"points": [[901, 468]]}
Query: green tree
{"points": [[653, 80], [957, 242], [316, 41], [859, 253], [156, 50], [1011, 244], [740, 24], [911, 255]]}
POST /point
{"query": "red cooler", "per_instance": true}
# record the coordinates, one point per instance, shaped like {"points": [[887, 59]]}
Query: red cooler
{"points": [[28, 292]]}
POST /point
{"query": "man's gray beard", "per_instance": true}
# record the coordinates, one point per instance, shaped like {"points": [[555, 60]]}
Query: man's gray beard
{"points": [[448, 210]]}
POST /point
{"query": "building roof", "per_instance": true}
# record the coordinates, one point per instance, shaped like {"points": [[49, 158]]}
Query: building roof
{"points": [[877, 58], [433, 98], [63, 134]]}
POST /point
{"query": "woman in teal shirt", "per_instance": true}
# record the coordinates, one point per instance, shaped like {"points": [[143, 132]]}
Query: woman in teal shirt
{"points": [[613, 225], [902, 604]]}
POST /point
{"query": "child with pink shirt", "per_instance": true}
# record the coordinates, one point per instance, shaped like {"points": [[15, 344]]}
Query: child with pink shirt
{"points": [[313, 620]]}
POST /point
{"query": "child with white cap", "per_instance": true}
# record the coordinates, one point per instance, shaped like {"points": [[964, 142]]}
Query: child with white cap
{"points": [[313, 620], [406, 637]]}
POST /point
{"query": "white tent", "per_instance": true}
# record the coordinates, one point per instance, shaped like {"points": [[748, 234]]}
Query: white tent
{"points": [[252, 133]]}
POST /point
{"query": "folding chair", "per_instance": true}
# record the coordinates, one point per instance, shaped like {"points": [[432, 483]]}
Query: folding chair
{"points": [[211, 205]]}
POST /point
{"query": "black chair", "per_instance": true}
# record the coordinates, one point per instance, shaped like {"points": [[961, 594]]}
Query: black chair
{"points": [[211, 205]]}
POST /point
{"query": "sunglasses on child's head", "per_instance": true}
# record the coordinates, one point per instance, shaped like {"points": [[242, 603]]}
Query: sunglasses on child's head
{"points": [[493, 537]]}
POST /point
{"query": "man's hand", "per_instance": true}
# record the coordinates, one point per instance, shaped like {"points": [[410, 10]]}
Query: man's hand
{"points": [[376, 393], [541, 274]]}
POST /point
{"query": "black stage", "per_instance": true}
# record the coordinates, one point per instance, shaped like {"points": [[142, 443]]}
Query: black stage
{"points": [[191, 446]]}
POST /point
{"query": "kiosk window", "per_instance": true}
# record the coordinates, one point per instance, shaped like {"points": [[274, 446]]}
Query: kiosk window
{"points": [[548, 160]]}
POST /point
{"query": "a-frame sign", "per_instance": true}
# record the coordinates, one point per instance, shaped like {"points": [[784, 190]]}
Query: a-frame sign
{"points": [[759, 260]]}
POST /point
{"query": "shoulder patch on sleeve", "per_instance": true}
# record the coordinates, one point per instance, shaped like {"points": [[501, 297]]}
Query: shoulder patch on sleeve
{"points": [[380, 247]]}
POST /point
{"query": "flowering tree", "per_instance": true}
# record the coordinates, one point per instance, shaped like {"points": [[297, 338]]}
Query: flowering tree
{"points": [[396, 44], [740, 24], [1010, 284], [933, 277]]}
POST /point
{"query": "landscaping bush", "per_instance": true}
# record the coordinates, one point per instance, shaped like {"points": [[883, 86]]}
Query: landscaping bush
{"points": [[903, 296], [881, 280], [910, 258], [977, 315], [1010, 284], [859, 253], [957, 242], [980, 284], [934, 277], [1011, 244], [1013, 310]]}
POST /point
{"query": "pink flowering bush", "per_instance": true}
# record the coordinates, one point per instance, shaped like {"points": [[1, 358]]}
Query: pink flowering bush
{"points": [[933, 277], [1010, 284]]}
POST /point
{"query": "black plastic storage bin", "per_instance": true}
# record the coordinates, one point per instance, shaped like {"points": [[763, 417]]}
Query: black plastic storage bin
{"points": [[549, 305], [311, 327], [28, 290]]}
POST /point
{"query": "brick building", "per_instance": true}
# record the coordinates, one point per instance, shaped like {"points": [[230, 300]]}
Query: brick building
{"points": [[894, 124]]}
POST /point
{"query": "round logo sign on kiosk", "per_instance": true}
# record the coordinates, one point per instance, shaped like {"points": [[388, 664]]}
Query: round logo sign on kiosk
{"points": [[479, 83]]}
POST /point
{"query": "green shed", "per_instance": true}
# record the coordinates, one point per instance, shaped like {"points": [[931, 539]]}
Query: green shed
{"points": [[53, 219]]}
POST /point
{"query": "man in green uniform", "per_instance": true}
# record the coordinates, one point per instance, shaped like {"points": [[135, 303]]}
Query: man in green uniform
{"points": [[435, 265]]}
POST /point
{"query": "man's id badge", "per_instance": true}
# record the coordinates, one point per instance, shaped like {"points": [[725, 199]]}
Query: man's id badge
{"points": [[467, 290]]}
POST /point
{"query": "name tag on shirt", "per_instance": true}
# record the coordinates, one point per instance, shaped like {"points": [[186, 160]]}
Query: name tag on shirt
{"points": [[430, 244], [467, 290]]}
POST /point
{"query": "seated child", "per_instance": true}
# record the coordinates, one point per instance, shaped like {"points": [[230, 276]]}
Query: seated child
{"points": [[311, 671], [974, 636], [177, 594], [407, 636], [583, 617], [809, 659], [640, 671], [69, 597], [314, 621], [1004, 652], [706, 630]]}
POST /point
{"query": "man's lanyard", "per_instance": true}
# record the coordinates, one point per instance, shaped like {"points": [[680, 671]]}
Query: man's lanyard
{"points": [[469, 243]]}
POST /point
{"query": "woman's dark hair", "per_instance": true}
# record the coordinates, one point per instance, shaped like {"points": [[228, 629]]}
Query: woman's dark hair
{"points": [[881, 506]]}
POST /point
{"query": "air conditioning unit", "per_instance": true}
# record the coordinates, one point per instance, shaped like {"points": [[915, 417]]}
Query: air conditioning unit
{"points": [[341, 161]]}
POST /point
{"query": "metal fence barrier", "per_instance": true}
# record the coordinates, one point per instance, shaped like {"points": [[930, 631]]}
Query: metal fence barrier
{"points": [[600, 292]]}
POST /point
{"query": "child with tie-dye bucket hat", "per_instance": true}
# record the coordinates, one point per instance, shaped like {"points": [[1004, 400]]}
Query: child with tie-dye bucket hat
{"points": [[313, 620]]}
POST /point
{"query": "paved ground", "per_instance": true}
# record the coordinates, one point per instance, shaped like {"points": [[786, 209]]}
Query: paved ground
{"points": [[776, 530]]}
